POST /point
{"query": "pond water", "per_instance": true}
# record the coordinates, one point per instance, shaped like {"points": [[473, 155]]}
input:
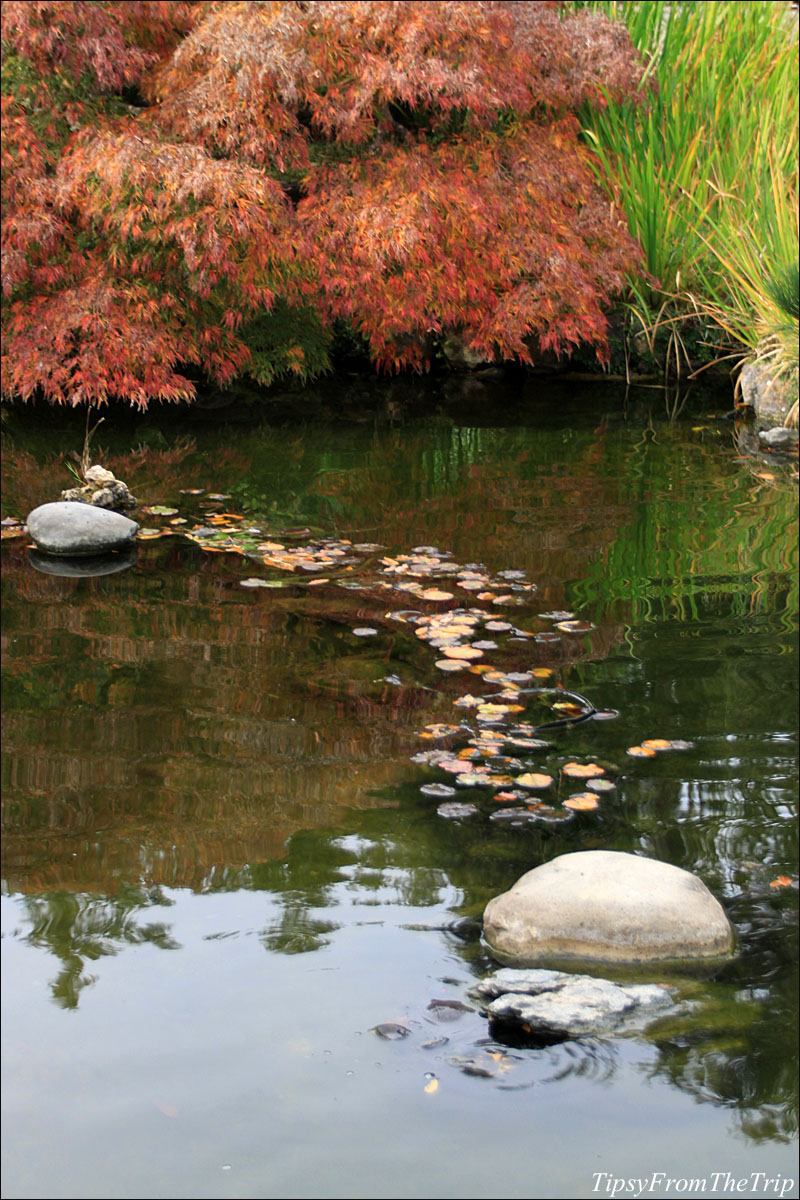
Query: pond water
{"points": [[220, 873]]}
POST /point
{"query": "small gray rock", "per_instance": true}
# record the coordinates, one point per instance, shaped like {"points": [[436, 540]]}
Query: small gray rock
{"points": [[75, 530], [779, 438], [99, 475]]}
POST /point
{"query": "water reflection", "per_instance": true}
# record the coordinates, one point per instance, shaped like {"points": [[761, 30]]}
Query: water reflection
{"points": [[170, 737]]}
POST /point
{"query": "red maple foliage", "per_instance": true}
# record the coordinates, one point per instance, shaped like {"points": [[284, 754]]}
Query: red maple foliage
{"points": [[210, 185]]}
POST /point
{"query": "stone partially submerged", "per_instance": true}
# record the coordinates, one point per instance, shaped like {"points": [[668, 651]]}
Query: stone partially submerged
{"points": [[554, 1005], [605, 907], [70, 529]]}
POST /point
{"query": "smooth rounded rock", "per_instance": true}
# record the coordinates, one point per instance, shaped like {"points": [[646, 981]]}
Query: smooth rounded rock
{"points": [[74, 530], [602, 906]]}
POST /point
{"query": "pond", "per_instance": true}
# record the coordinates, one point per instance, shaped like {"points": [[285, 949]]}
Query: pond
{"points": [[220, 870]]}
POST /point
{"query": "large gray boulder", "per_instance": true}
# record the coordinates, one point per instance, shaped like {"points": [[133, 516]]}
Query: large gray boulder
{"points": [[553, 1004], [601, 906], [73, 530]]}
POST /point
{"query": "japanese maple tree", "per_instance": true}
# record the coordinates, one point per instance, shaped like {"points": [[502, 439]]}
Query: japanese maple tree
{"points": [[205, 188]]}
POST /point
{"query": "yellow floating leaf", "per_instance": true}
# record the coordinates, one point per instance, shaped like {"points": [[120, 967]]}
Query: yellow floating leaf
{"points": [[541, 672], [434, 594], [499, 710], [582, 770], [782, 881], [583, 802], [431, 1086], [466, 653], [657, 744], [534, 781]]}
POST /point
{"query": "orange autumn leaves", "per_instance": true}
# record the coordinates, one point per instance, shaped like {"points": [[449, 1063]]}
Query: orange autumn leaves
{"points": [[391, 165]]}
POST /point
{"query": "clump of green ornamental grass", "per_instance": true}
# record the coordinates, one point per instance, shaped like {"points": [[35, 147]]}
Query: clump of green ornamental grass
{"points": [[705, 169]]}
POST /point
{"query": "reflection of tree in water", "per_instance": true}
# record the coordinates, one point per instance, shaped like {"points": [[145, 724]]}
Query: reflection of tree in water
{"points": [[78, 928]]}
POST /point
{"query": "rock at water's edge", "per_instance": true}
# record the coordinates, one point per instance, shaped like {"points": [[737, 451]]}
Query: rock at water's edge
{"points": [[75, 530], [770, 398], [602, 906]]}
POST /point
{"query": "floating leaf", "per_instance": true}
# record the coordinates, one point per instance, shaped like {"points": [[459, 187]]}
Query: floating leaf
{"points": [[512, 816], [557, 616], [449, 664], [364, 631], [431, 1086], [474, 778], [434, 594], [534, 781], [464, 653], [146, 535], [489, 712], [582, 770], [783, 881], [521, 743], [456, 766], [641, 752], [438, 731], [160, 510], [601, 785], [437, 789], [453, 810], [657, 744], [575, 626], [253, 583], [582, 802], [542, 672]]}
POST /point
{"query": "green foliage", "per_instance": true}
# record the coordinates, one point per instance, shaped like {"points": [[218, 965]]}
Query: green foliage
{"points": [[286, 341], [706, 169]]}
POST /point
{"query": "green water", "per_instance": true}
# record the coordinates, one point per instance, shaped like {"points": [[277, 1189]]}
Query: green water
{"points": [[220, 873]]}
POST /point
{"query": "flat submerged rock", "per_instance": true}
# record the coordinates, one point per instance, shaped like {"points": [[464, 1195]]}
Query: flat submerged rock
{"points": [[557, 1005], [606, 907], [69, 529]]}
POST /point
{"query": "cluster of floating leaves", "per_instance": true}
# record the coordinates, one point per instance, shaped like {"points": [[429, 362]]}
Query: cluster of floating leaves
{"points": [[496, 751]]}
